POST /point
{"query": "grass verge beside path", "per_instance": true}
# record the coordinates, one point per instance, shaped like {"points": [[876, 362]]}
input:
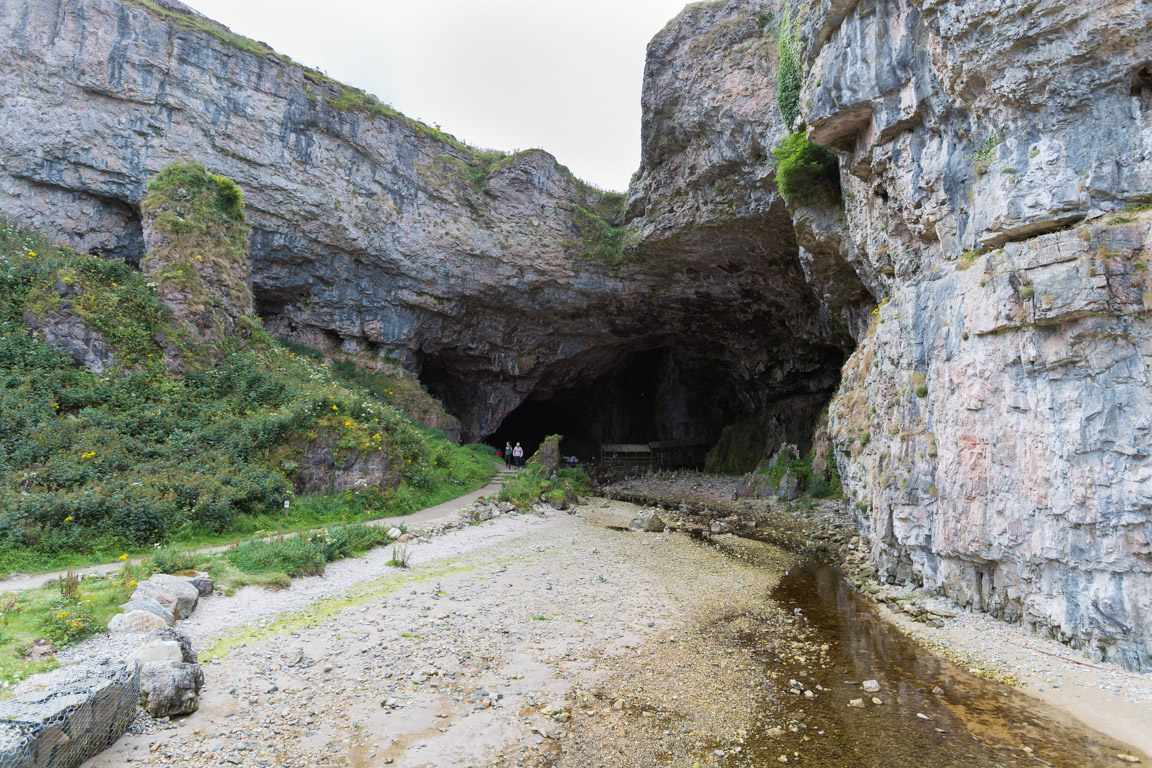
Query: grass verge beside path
{"points": [[307, 513], [65, 611]]}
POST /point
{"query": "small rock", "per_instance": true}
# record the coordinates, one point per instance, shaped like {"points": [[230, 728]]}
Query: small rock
{"points": [[871, 686], [292, 655], [1127, 758], [938, 690], [204, 585], [858, 703]]}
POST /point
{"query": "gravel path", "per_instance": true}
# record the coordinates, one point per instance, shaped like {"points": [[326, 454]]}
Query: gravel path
{"points": [[457, 660], [18, 581]]}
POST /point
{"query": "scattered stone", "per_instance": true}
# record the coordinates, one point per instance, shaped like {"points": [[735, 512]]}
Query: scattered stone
{"points": [[858, 703], [871, 686]]}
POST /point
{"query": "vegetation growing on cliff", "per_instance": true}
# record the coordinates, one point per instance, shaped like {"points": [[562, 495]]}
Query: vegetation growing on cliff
{"points": [[788, 80], [806, 172], [92, 466], [600, 235]]}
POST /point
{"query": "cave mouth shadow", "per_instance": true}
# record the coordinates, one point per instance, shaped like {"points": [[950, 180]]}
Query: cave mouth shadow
{"points": [[646, 396]]}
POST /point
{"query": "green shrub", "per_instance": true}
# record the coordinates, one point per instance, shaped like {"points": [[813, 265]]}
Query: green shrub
{"points": [[353, 540], [599, 238], [529, 485], [806, 172], [66, 622], [298, 555], [175, 559]]}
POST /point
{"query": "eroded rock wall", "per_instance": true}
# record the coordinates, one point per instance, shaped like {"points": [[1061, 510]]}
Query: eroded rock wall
{"points": [[374, 235], [992, 428]]}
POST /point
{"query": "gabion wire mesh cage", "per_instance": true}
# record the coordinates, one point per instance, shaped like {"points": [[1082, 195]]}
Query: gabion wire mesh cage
{"points": [[63, 728]]}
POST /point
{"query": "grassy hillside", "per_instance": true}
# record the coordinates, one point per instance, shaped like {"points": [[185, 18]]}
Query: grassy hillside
{"points": [[95, 466]]}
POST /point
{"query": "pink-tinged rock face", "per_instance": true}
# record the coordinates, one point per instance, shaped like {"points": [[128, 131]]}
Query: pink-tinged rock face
{"points": [[1007, 455]]}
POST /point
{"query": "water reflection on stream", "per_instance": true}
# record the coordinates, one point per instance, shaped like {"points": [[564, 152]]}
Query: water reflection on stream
{"points": [[973, 723]]}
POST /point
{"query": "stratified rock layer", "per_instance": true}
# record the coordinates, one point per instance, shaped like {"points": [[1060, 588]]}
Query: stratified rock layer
{"points": [[992, 428], [375, 235]]}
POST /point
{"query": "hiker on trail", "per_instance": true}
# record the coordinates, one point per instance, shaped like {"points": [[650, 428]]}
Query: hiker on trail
{"points": [[508, 453], [518, 454]]}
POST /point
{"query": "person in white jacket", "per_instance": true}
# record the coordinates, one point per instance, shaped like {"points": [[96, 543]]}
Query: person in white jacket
{"points": [[518, 455]]}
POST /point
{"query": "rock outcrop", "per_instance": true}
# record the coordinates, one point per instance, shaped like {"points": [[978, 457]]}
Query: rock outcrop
{"points": [[991, 430], [495, 277]]}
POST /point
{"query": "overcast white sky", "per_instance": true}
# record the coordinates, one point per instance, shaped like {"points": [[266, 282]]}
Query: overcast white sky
{"points": [[504, 74]]}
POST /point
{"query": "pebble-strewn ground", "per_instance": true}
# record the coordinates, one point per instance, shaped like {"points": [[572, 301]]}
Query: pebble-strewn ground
{"points": [[526, 640], [485, 653]]}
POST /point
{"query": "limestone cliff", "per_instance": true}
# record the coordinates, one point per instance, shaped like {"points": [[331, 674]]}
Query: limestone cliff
{"points": [[991, 427], [497, 278]]}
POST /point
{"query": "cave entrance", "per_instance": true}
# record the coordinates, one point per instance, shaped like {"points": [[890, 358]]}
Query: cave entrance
{"points": [[647, 396]]}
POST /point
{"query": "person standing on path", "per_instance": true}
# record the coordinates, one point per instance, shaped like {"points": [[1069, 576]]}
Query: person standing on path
{"points": [[508, 453], [518, 453]]}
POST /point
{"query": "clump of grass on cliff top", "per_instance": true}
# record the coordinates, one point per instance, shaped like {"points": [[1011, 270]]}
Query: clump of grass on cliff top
{"points": [[95, 466]]}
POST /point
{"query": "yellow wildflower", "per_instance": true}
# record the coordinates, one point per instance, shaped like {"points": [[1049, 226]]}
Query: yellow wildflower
{"points": [[68, 519], [123, 557]]}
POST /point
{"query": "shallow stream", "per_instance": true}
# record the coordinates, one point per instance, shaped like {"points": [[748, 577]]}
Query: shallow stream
{"points": [[967, 723]]}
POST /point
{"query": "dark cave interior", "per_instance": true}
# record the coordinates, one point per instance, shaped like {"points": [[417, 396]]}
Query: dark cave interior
{"points": [[658, 394]]}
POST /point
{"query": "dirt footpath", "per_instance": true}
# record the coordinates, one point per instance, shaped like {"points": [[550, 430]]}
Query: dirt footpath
{"points": [[487, 653]]}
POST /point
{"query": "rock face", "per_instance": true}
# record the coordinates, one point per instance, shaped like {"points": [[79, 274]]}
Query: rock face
{"points": [[196, 241], [373, 234], [991, 428]]}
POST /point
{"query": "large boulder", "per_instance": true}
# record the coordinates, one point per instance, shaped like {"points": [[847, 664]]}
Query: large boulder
{"points": [[161, 584], [151, 606], [157, 650], [176, 636], [170, 687], [135, 621]]}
